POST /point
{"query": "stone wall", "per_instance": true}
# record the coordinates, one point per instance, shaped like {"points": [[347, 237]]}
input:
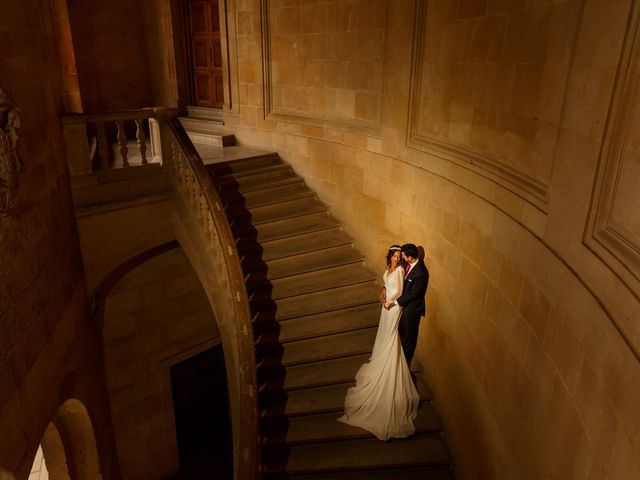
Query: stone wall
{"points": [[47, 346], [111, 54], [155, 316], [112, 233], [501, 129]]}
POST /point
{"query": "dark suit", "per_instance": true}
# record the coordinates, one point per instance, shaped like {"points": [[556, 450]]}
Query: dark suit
{"points": [[412, 303]]}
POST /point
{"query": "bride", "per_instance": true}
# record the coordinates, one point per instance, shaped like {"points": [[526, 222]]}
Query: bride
{"points": [[384, 399]]}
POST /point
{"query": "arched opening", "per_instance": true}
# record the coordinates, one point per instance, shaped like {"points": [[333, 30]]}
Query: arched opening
{"points": [[76, 430], [68, 448], [156, 315]]}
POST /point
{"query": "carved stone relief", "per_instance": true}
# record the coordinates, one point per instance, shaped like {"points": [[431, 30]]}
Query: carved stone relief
{"points": [[10, 163]]}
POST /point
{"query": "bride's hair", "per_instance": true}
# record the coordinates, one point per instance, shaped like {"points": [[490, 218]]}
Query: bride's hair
{"points": [[392, 250]]}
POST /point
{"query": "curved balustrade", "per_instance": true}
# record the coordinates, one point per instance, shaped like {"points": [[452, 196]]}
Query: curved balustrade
{"points": [[107, 140], [204, 232]]}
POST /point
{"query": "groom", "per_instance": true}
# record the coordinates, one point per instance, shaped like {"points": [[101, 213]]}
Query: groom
{"points": [[416, 279]]}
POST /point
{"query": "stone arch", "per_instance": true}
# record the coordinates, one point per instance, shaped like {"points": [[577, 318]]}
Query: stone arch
{"points": [[74, 424], [126, 305], [54, 454]]}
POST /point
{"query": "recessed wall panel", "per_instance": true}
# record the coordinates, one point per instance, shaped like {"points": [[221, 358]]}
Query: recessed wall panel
{"points": [[325, 60], [488, 87]]}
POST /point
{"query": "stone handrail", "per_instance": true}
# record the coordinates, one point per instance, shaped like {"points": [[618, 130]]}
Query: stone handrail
{"points": [[205, 235], [93, 138]]}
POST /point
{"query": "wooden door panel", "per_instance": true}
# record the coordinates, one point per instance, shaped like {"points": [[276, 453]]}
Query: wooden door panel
{"points": [[215, 16], [217, 55], [198, 17], [203, 90], [200, 53], [206, 53]]}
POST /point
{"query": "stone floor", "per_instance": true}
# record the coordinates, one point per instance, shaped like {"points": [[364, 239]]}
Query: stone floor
{"points": [[39, 469]]}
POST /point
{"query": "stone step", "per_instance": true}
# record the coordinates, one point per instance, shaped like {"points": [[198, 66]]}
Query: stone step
{"points": [[337, 321], [320, 348], [315, 400], [299, 245], [204, 125], [314, 281], [207, 132], [314, 374], [242, 175], [280, 229], [306, 401], [316, 302], [206, 113], [325, 427], [278, 175], [214, 140], [407, 473], [306, 262], [425, 449], [267, 196], [289, 209], [218, 170], [230, 189], [286, 208]]}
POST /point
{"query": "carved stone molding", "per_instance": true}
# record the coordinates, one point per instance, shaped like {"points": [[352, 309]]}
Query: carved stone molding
{"points": [[532, 188], [10, 162], [613, 228], [229, 37]]}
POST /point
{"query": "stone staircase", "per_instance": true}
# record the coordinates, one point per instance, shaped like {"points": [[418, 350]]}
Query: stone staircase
{"points": [[205, 126], [315, 317]]}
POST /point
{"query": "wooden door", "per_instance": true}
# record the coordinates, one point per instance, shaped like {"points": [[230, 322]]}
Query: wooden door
{"points": [[206, 53]]}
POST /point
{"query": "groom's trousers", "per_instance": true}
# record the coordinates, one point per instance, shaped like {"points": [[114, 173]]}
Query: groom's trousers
{"points": [[408, 330]]}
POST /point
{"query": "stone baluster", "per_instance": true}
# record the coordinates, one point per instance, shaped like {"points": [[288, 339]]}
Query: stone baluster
{"points": [[122, 142], [103, 146], [77, 143], [142, 140], [155, 140]]}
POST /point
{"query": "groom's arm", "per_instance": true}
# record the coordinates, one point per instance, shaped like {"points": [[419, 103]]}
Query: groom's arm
{"points": [[416, 290]]}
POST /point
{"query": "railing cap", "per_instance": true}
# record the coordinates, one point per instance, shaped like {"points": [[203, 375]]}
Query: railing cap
{"points": [[74, 118]]}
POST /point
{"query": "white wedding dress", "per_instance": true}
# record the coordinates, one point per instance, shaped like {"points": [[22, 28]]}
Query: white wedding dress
{"points": [[384, 400]]}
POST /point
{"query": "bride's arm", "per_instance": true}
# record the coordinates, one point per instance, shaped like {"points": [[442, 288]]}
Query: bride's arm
{"points": [[394, 290]]}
